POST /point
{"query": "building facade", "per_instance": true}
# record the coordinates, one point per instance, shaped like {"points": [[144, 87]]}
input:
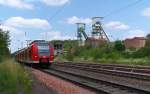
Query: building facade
{"points": [[136, 42]]}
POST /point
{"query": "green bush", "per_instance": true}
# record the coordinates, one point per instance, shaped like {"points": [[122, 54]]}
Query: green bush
{"points": [[112, 55], [113, 51], [70, 57], [141, 53], [4, 44], [13, 78], [119, 46], [0, 58]]}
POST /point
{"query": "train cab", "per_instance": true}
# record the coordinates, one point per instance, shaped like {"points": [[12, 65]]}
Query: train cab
{"points": [[42, 52]]}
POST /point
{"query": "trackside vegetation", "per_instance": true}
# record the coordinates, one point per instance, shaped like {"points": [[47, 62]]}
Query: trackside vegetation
{"points": [[14, 79], [4, 44], [113, 52]]}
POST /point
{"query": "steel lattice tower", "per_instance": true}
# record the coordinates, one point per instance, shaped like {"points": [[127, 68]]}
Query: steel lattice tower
{"points": [[97, 30], [80, 32]]}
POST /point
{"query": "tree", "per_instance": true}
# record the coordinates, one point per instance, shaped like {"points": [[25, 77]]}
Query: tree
{"points": [[4, 44], [119, 46], [148, 40]]}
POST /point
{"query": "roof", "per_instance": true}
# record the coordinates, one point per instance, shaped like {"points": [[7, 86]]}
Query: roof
{"points": [[139, 38], [37, 41]]}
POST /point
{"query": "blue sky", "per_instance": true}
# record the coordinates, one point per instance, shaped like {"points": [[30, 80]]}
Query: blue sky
{"points": [[37, 19]]}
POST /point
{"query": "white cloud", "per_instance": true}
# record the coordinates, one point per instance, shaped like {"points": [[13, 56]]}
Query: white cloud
{"points": [[54, 35], [17, 37], [13, 31], [27, 23], [55, 2], [74, 20], [16, 4], [146, 12], [116, 25], [28, 4], [136, 33], [19, 25]]}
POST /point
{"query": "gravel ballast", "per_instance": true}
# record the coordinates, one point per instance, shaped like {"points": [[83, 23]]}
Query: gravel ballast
{"points": [[59, 85]]}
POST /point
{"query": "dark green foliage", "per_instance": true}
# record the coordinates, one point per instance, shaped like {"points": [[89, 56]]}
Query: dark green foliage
{"points": [[14, 79], [113, 51], [69, 57], [148, 40], [4, 43], [104, 51], [143, 52], [119, 45], [108, 52], [127, 54]]}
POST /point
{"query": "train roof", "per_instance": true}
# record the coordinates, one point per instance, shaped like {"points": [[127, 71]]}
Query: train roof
{"points": [[35, 41], [20, 50], [38, 41]]}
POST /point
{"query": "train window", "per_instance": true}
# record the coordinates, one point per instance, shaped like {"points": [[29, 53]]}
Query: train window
{"points": [[43, 49]]}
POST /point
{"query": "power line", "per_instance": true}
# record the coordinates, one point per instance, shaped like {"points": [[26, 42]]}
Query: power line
{"points": [[122, 8], [57, 12]]}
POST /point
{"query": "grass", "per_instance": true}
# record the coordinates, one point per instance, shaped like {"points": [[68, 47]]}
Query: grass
{"points": [[13, 78], [126, 61], [144, 62], [129, 61]]}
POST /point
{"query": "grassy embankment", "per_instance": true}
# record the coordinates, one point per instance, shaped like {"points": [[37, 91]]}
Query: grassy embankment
{"points": [[127, 61], [130, 61], [13, 78], [107, 54]]}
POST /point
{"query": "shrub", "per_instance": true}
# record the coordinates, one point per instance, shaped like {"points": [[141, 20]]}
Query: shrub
{"points": [[13, 78], [141, 53], [119, 46]]}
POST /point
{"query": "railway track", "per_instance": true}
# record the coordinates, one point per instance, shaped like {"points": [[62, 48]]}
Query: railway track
{"points": [[96, 84], [86, 76], [136, 72]]}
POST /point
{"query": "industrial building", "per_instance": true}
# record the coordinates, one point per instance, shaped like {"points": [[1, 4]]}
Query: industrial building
{"points": [[136, 42], [98, 35]]}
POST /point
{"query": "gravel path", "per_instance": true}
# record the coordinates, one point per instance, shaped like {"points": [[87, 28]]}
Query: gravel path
{"points": [[59, 85], [39, 88]]}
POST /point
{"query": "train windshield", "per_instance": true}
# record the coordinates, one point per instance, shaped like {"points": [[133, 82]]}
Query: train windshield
{"points": [[43, 49]]}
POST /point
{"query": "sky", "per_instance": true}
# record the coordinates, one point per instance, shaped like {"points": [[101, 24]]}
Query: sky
{"points": [[55, 19]]}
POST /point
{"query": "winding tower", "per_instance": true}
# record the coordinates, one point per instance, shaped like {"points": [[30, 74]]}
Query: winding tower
{"points": [[81, 33], [97, 29]]}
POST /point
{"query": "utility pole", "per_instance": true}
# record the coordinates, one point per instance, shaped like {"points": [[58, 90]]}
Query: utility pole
{"points": [[28, 42], [21, 44], [46, 35]]}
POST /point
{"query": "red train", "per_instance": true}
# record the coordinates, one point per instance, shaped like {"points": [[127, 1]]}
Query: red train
{"points": [[39, 52]]}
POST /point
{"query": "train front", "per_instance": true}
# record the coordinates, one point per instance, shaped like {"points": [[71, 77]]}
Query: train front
{"points": [[43, 52]]}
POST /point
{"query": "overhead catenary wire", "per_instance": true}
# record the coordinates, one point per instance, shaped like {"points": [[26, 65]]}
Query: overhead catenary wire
{"points": [[57, 12], [123, 8], [107, 15], [53, 16]]}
